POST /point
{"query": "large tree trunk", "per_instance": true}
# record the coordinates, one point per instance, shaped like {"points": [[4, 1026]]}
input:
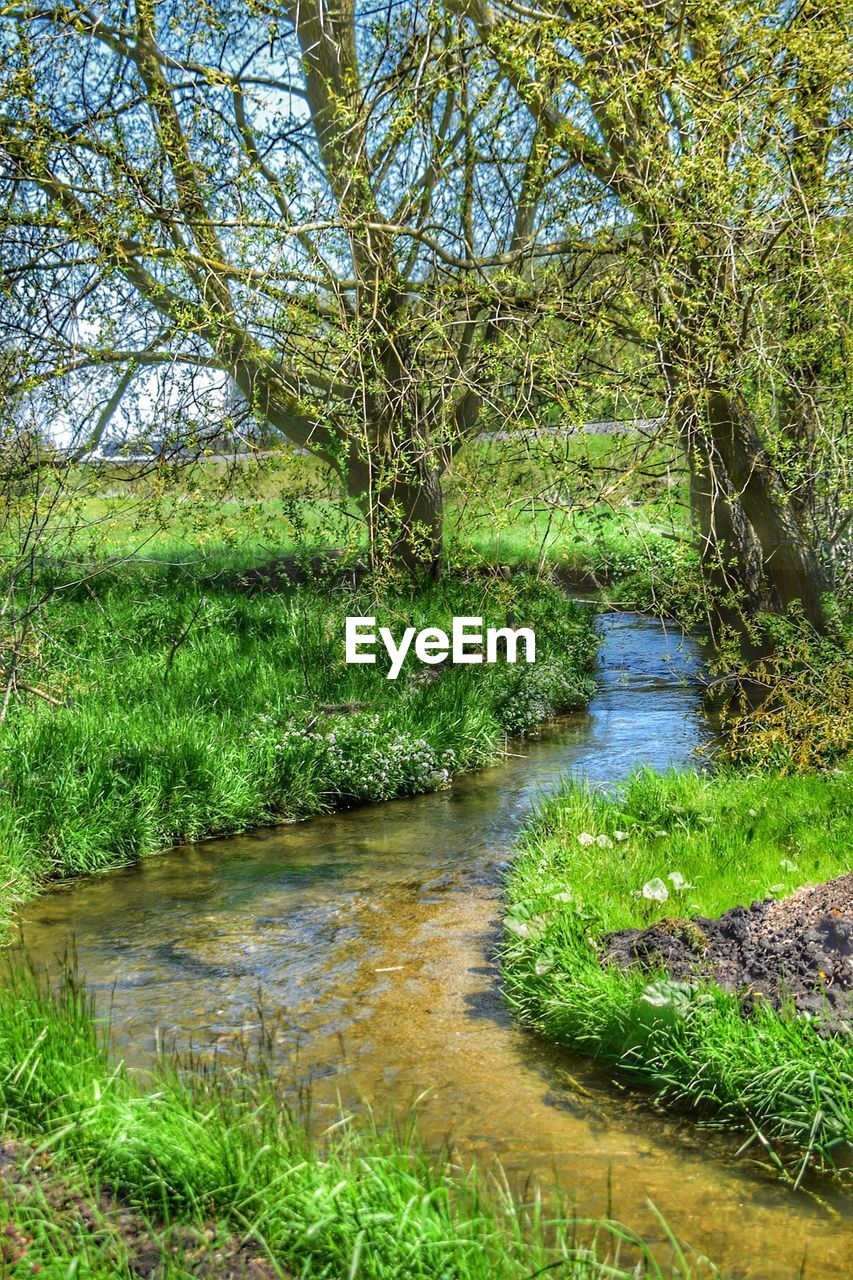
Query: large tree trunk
{"points": [[791, 569], [754, 549], [402, 500]]}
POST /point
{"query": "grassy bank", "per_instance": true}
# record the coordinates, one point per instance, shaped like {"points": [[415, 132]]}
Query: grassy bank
{"points": [[222, 1162], [580, 873], [190, 709]]}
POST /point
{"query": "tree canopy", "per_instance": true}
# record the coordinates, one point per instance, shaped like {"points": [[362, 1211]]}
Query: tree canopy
{"points": [[391, 225]]}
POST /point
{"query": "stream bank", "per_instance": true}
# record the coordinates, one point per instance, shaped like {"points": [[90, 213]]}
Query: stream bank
{"points": [[201, 711], [372, 933], [688, 955]]}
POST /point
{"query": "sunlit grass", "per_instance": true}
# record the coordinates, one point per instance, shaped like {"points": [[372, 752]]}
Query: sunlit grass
{"points": [[192, 709], [580, 504], [197, 1145], [732, 839]]}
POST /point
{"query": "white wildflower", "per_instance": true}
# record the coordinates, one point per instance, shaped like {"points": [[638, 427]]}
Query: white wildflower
{"points": [[655, 890], [585, 838]]}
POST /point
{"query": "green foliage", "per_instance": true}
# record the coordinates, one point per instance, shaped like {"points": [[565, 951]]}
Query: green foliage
{"points": [[662, 232], [727, 840], [794, 708], [583, 507], [520, 501]]}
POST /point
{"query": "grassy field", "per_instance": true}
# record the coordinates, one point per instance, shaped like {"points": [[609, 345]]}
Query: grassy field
{"points": [[193, 709], [731, 838], [215, 1161], [580, 504]]}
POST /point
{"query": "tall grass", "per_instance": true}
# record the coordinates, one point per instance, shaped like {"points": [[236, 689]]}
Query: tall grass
{"points": [[198, 1144], [579, 874], [192, 709]]}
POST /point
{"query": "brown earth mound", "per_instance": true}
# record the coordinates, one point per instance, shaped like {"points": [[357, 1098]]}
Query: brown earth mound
{"points": [[796, 950]]}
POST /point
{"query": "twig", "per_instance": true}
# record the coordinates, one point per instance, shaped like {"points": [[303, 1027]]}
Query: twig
{"points": [[40, 693], [10, 684], [176, 644]]}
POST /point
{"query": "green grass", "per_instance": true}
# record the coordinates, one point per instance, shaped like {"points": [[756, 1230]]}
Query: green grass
{"points": [[57, 1222], [733, 838], [157, 745], [197, 1146], [584, 504]]}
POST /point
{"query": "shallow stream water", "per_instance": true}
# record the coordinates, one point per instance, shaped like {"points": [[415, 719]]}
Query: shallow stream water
{"points": [[370, 934]]}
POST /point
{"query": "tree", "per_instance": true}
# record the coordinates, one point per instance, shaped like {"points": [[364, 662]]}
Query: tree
{"points": [[711, 138], [336, 209]]}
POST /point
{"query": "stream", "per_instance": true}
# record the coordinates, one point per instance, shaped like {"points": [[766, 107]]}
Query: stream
{"points": [[370, 935]]}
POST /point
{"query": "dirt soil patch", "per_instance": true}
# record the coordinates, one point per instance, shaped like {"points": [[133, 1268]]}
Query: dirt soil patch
{"points": [[795, 950]]}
